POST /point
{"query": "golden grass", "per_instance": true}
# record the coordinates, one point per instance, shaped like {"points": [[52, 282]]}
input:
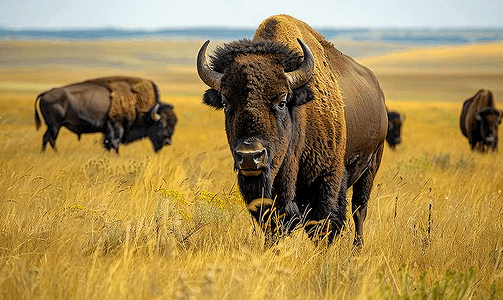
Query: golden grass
{"points": [[452, 73], [87, 224], [467, 59]]}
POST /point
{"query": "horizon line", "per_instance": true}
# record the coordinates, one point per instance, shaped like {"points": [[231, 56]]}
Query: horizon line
{"points": [[216, 27]]}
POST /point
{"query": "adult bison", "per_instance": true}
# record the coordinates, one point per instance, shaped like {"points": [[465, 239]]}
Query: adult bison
{"points": [[124, 109], [304, 122], [480, 120], [395, 121]]}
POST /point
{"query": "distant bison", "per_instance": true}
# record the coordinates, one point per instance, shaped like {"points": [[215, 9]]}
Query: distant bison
{"points": [[124, 109], [304, 122], [395, 121], [480, 120]]}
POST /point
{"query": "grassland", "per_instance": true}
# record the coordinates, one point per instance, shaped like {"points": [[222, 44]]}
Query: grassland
{"points": [[87, 224]]}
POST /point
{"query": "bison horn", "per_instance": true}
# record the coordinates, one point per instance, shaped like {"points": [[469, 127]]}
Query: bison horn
{"points": [[209, 76], [304, 73], [155, 115]]}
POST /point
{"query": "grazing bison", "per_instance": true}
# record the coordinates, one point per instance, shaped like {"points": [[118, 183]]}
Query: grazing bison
{"points": [[395, 121], [304, 122], [124, 109], [480, 120]]}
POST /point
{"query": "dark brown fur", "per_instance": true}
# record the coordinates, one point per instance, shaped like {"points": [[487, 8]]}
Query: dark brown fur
{"points": [[395, 121], [479, 121], [327, 137], [124, 109]]}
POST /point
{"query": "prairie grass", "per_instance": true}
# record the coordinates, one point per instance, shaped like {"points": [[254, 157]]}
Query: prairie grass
{"points": [[83, 223]]}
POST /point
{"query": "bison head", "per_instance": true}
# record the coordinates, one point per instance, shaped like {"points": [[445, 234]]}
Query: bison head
{"points": [[395, 122], [261, 87], [162, 125], [489, 119]]}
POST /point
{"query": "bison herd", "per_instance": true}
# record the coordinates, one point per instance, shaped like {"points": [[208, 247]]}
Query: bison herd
{"points": [[304, 123]]}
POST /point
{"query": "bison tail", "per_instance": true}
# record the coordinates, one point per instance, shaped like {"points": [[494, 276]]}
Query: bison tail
{"points": [[37, 117]]}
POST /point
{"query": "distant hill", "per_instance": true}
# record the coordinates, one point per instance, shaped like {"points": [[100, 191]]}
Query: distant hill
{"points": [[397, 36]]}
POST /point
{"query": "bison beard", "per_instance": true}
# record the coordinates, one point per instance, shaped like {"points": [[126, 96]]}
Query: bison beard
{"points": [[256, 187], [253, 187]]}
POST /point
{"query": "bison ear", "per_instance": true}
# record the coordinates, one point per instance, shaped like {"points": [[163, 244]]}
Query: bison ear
{"points": [[302, 96], [213, 98]]}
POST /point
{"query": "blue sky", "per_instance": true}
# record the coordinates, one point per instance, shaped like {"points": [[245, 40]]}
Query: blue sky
{"points": [[157, 14]]}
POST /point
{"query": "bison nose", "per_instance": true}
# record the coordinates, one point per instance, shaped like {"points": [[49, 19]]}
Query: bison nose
{"points": [[250, 158]]}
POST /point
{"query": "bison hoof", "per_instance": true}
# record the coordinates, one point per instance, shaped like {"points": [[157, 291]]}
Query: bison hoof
{"points": [[358, 242]]}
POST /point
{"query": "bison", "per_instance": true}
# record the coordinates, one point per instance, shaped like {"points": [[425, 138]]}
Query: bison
{"points": [[480, 120], [124, 109], [395, 121], [304, 122]]}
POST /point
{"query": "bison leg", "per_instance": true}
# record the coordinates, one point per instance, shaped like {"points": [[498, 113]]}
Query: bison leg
{"points": [[113, 135], [361, 194], [329, 215], [338, 212], [475, 146], [50, 137], [275, 220]]}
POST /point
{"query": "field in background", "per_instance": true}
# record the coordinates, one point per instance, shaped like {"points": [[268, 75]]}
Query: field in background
{"points": [[87, 224]]}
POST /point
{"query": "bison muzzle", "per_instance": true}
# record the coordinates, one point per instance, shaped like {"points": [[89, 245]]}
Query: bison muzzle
{"points": [[250, 158]]}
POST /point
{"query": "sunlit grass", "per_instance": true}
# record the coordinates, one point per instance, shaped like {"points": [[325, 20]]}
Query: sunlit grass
{"points": [[84, 223]]}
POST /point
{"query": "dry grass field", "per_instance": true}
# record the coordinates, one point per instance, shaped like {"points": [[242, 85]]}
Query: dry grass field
{"points": [[87, 224]]}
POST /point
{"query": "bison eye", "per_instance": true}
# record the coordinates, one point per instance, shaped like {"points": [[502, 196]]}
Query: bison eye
{"points": [[281, 100], [282, 105]]}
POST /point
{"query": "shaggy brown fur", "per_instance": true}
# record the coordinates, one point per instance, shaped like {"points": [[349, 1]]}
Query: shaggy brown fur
{"points": [[299, 144], [327, 107], [349, 105], [480, 120], [129, 96]]}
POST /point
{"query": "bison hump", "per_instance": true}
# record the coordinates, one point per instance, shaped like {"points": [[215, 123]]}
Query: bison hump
{"points": [[129, 97]]}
